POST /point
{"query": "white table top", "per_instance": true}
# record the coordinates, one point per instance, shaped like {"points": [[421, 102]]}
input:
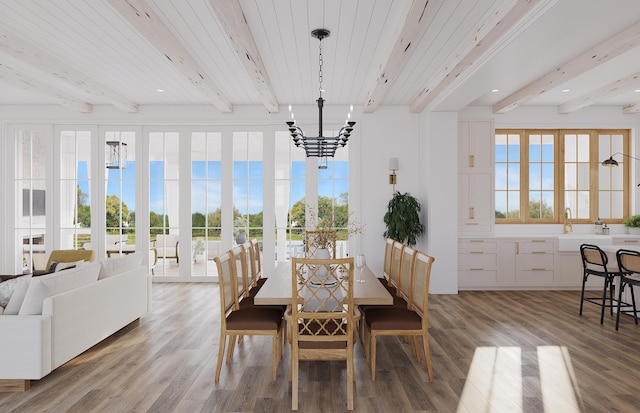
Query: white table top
{"points": [[277, 289]]}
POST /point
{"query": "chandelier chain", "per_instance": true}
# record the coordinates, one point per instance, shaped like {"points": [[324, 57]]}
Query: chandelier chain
{"points": [[320, 61]]}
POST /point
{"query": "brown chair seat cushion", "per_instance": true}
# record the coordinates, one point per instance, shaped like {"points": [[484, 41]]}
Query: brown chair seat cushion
{"points": [[398, 302], [392, 318], [254, 318]]}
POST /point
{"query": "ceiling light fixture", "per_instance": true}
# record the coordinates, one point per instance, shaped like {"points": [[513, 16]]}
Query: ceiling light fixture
{"points": [[320, 146], [117, 155]]}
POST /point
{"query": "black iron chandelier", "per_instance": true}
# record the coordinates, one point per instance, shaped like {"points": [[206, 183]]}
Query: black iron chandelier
{"points": [[320, 146]]}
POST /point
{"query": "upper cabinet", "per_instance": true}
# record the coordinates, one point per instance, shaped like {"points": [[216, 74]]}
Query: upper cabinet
{"points": [[475, 176], [475, 145]]}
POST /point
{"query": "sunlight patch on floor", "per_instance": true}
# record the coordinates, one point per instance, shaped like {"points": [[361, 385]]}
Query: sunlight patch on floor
{"points": [[495, 383]]}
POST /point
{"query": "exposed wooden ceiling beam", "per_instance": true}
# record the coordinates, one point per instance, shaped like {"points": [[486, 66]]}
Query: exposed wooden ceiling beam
{"points": [[631, 108], [22, 50], [418, 17], [18, 79], [482, 46], [623, 41], [235, 25], [143, 19], [612, 89]]}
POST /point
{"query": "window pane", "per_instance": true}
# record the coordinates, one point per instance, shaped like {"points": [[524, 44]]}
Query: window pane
{"points": [[535, 177], [513, 204], [501, 148], [513, 182], [501, 177]]}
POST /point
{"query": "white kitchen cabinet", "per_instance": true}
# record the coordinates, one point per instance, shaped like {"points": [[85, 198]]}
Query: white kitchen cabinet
{"points": [[475, 200], [475, 176], [477, 264]]}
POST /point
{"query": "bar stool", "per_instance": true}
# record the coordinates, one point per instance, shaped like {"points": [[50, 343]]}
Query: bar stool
{"points": [[594, 262], [629, 263]]}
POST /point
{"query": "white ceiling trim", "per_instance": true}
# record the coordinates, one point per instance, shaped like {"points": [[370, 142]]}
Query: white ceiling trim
{"points": [[492, 41], [146, 22], [624, 41], [419, 15], [490, 21], [615, 88], [16, 78], [238, 33], [38, 58]]}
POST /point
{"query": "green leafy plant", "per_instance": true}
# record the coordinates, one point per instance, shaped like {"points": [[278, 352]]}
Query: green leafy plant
{"points": [[403, 219], [632, 221]]}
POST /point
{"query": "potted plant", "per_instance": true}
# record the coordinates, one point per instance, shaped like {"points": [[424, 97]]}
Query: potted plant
{"points": [[632, 222], [403, 219], [198, 248]]}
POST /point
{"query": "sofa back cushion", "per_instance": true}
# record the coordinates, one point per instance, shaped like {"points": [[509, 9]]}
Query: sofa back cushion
{"points": [[56, 283], [119, 264], [17, 298]]}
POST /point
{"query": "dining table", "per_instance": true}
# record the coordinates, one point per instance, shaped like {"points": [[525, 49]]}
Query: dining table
{"points": [[277, 288]]}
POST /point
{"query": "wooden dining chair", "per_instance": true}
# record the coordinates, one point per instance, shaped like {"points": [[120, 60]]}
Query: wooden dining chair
{"points": [[323, 238], [257, 277], [629, 264], [398, 321], [322, 313], [393, 281], [249, 321]]}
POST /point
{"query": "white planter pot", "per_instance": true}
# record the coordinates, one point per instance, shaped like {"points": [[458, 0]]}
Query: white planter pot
{"points": [[634, 230]]}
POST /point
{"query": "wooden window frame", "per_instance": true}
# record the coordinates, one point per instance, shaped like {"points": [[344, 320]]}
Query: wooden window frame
{"points": [[559, 174]]}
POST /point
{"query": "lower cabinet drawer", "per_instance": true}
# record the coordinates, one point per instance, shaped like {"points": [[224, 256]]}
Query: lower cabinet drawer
{"points": [[477, 260], [536, 262], [477, 278], [532, 278]]}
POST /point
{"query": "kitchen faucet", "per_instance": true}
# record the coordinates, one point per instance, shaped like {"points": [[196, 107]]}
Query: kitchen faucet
{"points": [[568, 227]]}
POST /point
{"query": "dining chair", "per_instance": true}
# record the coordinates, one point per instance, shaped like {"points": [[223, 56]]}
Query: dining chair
{"points": [[386, 266], [410, 321], [594, 262], [322, 313], [240, 254], [629, 264], [401, 296], [249, 321], [257, 276], [394, 271], [322, 238]]}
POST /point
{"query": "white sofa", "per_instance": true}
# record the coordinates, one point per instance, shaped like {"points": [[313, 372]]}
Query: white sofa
{"points": [[70, 322]]}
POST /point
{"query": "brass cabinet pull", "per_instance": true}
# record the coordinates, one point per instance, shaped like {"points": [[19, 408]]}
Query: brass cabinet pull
{"points": [[517, 248], [471, 161], [476, 252], [631, 240], [538, 240], [472, 223], [476, 240], [476, 269], [538, 269], [538, 252], [471, 213]]}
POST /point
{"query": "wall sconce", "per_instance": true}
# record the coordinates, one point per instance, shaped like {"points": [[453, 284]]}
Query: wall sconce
{"points": [[117, 155], [393, 167]]}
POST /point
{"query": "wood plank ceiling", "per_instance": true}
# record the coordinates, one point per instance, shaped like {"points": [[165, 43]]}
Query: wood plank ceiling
{"points": [[423, 54]]}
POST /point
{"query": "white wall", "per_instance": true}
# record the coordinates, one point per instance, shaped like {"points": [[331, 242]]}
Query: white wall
{"points": [[439, 197]]}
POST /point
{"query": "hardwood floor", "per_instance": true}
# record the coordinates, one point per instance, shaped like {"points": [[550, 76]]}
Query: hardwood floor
{"points": [[492, 352]]}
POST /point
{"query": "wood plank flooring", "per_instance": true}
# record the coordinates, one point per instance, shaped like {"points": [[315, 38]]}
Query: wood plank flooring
{"points": [[506, 351]]}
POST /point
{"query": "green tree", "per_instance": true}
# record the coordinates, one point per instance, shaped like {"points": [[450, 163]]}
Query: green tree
{"points": [[116, 212], [198, 220], [84, 210], [540, 210], [157, 222]]}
